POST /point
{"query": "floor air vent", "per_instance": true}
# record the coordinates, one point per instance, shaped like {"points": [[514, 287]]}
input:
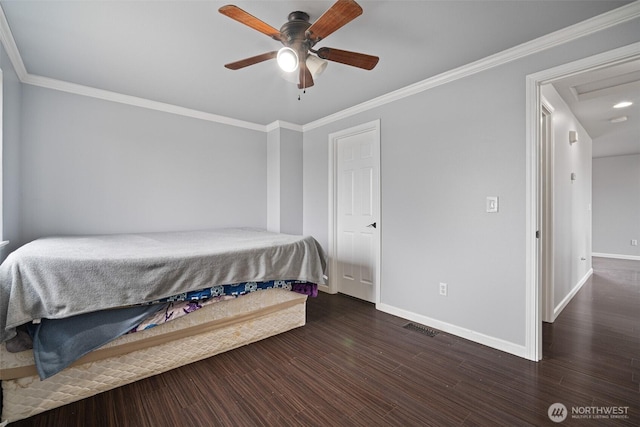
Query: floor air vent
{"points": [[422, 329]]}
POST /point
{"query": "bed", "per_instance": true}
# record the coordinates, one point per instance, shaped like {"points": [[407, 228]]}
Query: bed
{"points": [[69, 277]]}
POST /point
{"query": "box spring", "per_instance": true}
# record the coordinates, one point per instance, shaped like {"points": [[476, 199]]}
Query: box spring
{"points": [[212, 330]]}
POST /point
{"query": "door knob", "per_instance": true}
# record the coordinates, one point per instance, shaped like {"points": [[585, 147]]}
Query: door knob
{"points": [[373, 224]]}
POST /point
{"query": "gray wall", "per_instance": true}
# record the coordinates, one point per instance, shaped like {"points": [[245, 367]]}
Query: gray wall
{"points": [[572, 200], [291, 181], [273, 180], [284, 181], [93, 166], [616, 206], [443, 151], [11, 112]]}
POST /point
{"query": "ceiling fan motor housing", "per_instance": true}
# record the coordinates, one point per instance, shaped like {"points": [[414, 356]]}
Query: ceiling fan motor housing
{"points": [[298, 15], [293, 33]]}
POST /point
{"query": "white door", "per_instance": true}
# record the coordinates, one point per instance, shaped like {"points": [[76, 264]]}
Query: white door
{"points": [[357, 211]]}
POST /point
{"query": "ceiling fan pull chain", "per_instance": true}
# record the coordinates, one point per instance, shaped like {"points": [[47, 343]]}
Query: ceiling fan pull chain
{"points": [[304, 83]]}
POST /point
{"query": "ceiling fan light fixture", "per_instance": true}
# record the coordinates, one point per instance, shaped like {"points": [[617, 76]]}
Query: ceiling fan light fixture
{"points": [[287, 59], [316, 65]]}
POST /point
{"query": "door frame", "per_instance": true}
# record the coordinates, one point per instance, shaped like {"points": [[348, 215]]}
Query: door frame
{"points": [[334, 139], [546, 179], [533, 297]]}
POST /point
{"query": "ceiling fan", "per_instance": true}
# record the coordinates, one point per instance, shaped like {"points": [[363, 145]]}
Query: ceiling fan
{"points": [[299, 36]]}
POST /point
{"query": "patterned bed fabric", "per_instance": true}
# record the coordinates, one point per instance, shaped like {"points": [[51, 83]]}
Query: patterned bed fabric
{"points": [[174, 310], [182, 304]]}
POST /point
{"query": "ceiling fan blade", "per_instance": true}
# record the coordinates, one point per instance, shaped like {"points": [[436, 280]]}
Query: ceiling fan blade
{"points": [[306, 79], [341, 13], [234, 12], [355, 59], [253, 60]]}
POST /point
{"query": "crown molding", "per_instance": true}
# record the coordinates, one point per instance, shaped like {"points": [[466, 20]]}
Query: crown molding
{"points": [[10, 47], [598, 23], [280, 124], [106, 95]]}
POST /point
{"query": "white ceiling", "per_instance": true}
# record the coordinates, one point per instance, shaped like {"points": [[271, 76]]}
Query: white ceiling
{"points": [[174, 51], [591, 96]]}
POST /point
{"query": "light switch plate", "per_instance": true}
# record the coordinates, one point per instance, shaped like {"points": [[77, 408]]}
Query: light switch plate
{"points": [[492, 204]]}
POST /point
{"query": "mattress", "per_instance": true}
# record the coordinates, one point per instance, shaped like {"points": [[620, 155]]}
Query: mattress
{"points": [[212, 330]]}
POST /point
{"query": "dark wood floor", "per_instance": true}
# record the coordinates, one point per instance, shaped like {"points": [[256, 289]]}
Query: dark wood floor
{"points": [[354, 366]]}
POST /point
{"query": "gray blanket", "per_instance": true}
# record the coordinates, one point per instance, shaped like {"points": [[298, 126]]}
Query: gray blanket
{"points": [[58, 277], [57, 343]]}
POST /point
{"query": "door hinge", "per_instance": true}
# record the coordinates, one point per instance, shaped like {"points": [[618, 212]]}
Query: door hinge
{"points": [[537, 234]]}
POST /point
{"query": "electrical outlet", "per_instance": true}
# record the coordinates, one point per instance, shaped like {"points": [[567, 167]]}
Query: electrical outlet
{"points": [[443, 289], [634, 242]]}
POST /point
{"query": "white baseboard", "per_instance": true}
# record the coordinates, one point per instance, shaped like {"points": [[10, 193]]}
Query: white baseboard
{"points": [[617, 256], [558, 309], [325, 288], [489, 341]]}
